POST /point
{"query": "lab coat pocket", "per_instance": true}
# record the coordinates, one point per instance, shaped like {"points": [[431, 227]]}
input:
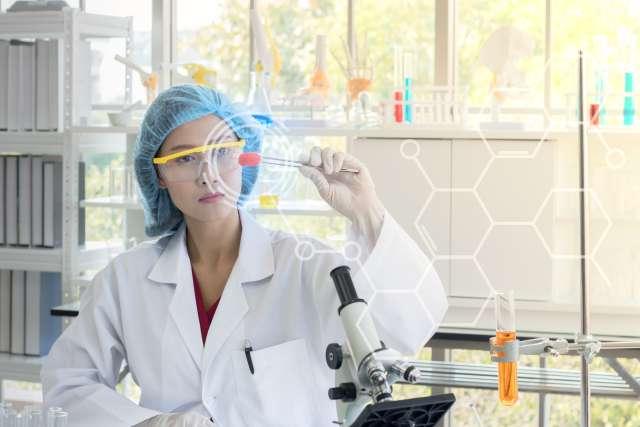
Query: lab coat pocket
{"points": [[280, 391]]}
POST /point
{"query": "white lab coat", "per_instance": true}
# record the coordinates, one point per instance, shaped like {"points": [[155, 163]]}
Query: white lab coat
{"points": [[141, 310]]}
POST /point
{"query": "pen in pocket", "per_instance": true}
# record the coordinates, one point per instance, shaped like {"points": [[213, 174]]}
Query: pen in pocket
{"points": [[247, 352]]}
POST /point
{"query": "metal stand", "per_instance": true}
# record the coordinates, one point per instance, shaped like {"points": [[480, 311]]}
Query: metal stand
{"points": [[584, 344], [585, 393]]}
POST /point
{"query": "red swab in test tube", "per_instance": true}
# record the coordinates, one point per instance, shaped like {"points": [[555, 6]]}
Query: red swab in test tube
{"points": [[254, 159]]}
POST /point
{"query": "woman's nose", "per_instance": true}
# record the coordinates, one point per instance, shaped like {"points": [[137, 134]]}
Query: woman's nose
{"points": [[206, 175]]}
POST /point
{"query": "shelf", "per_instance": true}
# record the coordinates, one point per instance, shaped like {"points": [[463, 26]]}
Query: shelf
{"points": [[51, 24], [127, 130], [51, 143], [94, 255], [20, 368], [31, 259], [117, 202], [302, 207], [405, 132], [351, 131], [97, 254]]}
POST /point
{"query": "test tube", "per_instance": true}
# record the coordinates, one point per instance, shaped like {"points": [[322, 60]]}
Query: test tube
{"points": [[4, 407], [10, 418], [408, 71], [60, 419], [398, 107], [506, 332], [51, 412], [34, 418], [629, 109]]}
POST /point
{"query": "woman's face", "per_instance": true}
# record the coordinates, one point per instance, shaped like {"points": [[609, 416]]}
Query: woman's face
{"points": [[203, 186]]}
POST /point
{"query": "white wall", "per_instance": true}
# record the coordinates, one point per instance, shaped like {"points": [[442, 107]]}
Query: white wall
{"points": [[504, 215]]}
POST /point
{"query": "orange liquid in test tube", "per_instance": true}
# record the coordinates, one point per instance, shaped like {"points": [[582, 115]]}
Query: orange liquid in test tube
{"points": [[506, 332], [507, 372]]}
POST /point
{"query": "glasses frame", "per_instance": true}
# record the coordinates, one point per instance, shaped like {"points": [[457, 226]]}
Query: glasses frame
{"points": [[202, 149]]}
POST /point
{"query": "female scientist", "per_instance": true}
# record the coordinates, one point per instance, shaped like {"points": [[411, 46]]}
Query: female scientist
{"points": [[221, 318]]}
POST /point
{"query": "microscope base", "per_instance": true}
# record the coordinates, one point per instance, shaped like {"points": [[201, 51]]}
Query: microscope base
{"points": [[419, 412]]}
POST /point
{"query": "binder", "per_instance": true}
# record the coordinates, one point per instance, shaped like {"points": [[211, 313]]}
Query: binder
{"points": [[17, 311], [11, 198], [43, 292], [37, 199], [4, 83], [42, 84], [5, 311], [24, 201], [52, 224], [28, 85], [3, 203], [54, 84], [13, 90]]}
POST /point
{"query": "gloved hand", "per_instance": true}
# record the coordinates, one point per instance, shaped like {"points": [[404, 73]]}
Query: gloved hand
{"points": [[187, 419], [351, 194]]}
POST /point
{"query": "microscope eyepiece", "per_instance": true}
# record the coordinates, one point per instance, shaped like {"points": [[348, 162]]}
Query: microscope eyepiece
{"points": [[344, 286]]}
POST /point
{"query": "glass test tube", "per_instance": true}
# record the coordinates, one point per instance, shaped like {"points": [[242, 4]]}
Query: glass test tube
{"points": [[60, 419], [51, 413], [506, 332], [34, 418], [408, 60], [398, 96]]}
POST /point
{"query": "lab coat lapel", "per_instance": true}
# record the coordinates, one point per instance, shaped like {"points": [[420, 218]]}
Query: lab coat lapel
{"points": [[254, 263], [174, 266]]}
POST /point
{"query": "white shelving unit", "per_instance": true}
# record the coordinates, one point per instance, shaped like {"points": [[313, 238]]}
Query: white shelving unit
{"points": [[20, 368], [68, 27]]}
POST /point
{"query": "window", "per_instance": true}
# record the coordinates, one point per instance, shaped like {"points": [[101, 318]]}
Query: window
{"points": [[220, 39], [608, 33], [217, 37], [476, 22], [108, 84], [408, 25]]}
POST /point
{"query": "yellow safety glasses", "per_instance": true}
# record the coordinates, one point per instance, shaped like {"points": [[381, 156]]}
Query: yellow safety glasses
{"points": [[202, 149], [188, 165]]}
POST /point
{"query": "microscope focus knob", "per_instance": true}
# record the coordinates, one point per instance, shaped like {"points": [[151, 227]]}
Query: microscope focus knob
{"points": [[334, 356], [346, 392]]}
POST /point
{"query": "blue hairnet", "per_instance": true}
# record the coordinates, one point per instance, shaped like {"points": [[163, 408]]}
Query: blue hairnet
{"points": [[172, 108]]}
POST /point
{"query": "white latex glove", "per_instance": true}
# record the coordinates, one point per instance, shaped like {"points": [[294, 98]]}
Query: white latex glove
{"points": [[351, 194], [188, 419]]}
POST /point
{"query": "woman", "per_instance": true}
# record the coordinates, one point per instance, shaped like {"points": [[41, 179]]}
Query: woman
{"points": [[187, 312]]}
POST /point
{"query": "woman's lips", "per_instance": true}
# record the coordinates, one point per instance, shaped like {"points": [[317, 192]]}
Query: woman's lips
{"points": [[210, 198]]}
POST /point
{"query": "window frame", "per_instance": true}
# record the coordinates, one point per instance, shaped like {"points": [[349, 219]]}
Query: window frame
{"points": [[164, 38]]}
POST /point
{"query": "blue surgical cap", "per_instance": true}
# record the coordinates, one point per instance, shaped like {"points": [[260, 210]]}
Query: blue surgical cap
{"points": [[172, 108]]}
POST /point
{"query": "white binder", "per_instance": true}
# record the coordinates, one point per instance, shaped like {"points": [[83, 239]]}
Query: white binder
{"points": [[17, 311]]}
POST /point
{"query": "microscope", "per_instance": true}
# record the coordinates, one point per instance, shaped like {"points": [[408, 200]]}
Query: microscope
{"points": [[366, 370]]}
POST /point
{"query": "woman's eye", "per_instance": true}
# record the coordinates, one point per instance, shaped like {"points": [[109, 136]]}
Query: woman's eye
{"points": [[185, 159], [220, 152]]}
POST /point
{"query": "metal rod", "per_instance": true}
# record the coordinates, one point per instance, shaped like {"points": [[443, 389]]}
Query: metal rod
{"points": [[543, 401], [585, 392], [547, 63], [624, 374], [351, 28], [252, 55], [619, 345], [291, 163]]}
